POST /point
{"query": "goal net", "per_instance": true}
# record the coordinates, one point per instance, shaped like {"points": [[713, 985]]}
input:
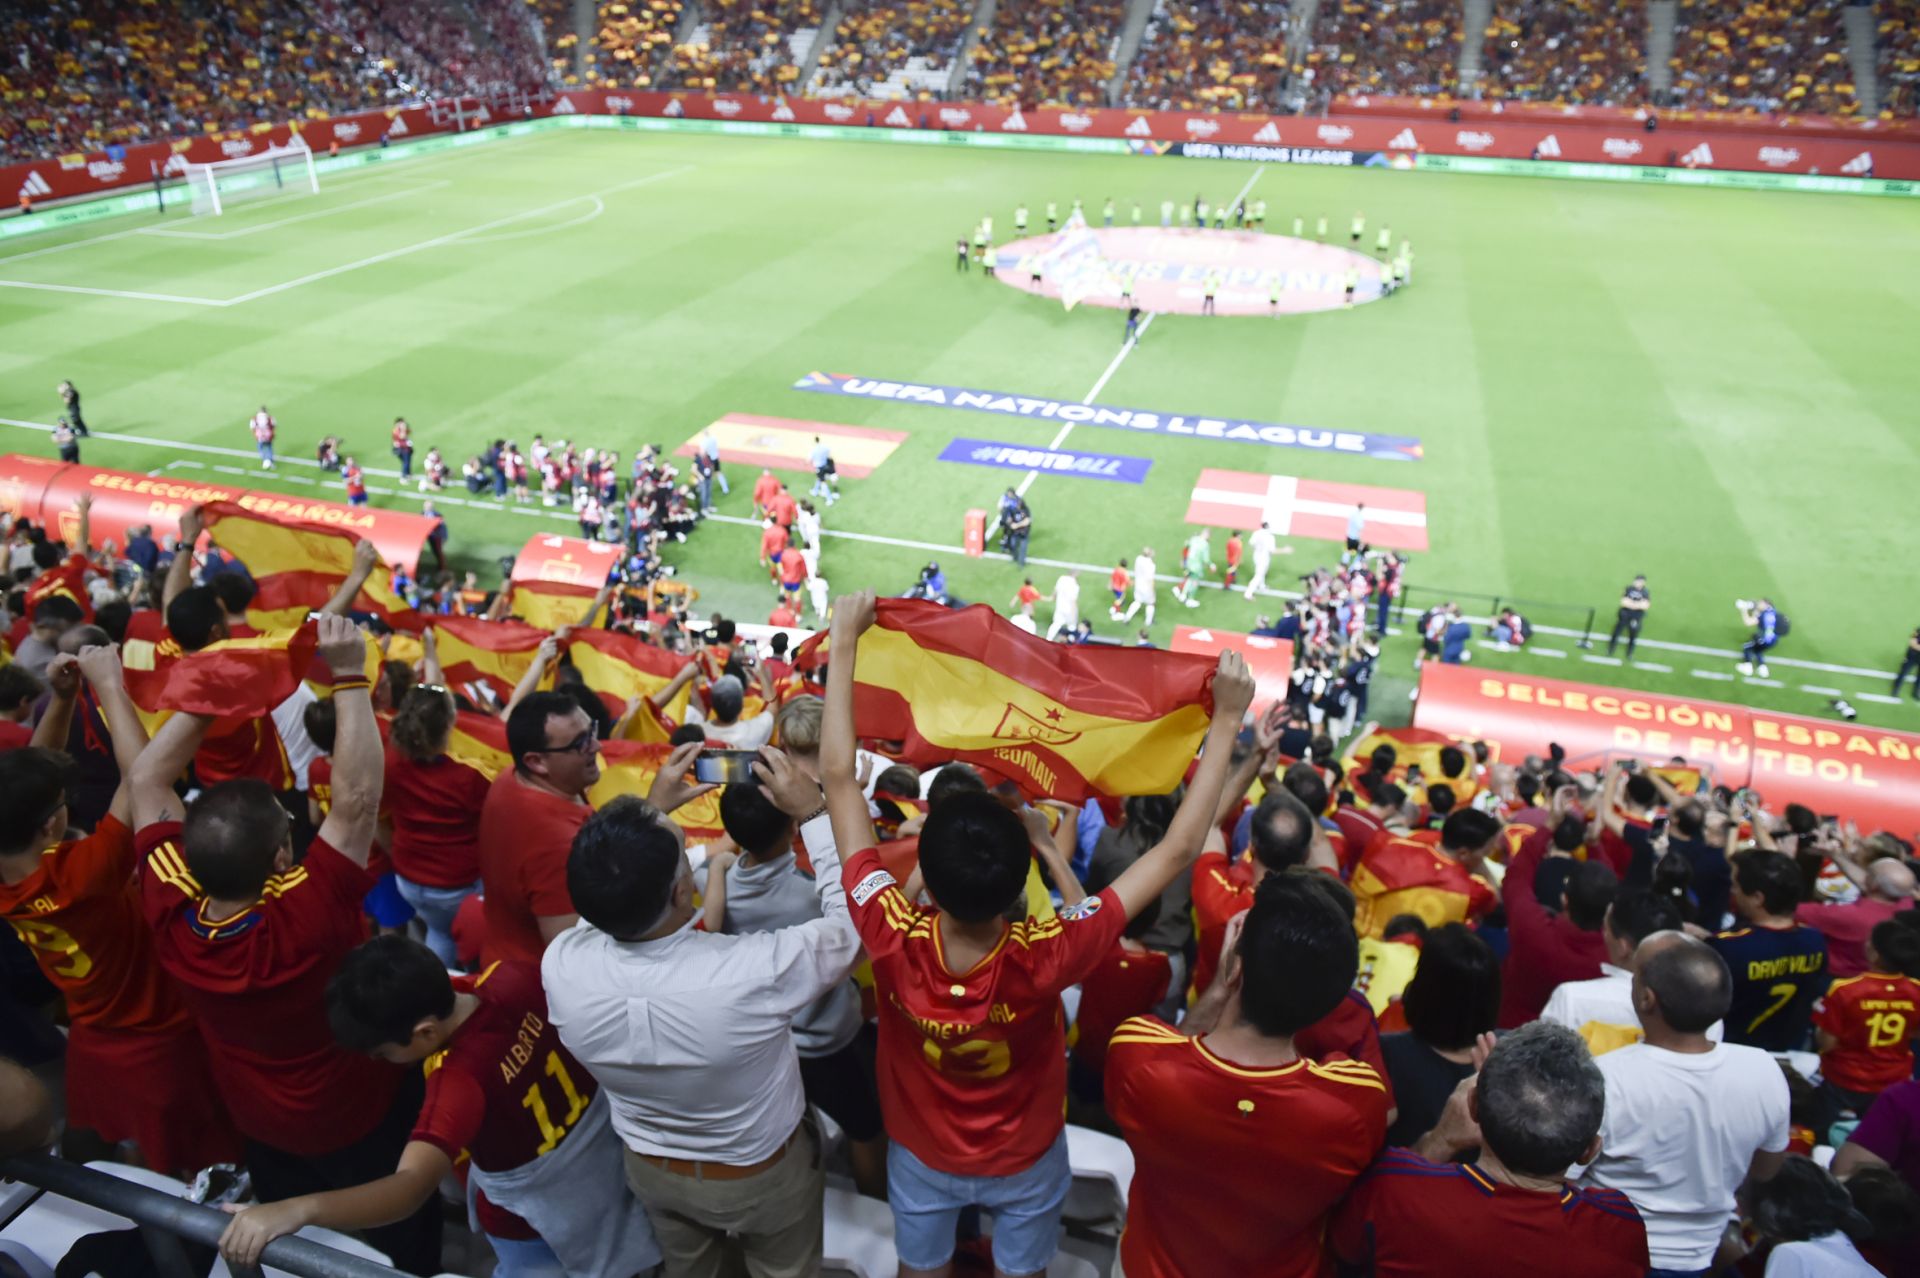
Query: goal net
{"points": [[279, 170]]}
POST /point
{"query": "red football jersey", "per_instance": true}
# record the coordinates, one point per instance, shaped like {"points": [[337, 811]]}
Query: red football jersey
{"points": [[973, 1065], [1349, 1032], [79, 915], [525, 837], [1221, 889], [14, 736], [1128, 982], [1410, 1217], [1874, 1017], [1401, 875], [505, 1090], [435, 809], [67, 580], [256, 982], [1212, 1141], [252, 748]]}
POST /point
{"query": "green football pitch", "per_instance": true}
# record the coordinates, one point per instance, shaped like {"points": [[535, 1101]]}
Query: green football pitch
{"points": [[1716, 388]]}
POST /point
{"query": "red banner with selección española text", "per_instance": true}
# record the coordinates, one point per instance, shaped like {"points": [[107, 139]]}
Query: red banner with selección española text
{"points": [[1871, 775]]}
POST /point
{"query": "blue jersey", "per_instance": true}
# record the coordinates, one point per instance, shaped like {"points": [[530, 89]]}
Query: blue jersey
{"points": [[1769, 631], [1778, 975]]}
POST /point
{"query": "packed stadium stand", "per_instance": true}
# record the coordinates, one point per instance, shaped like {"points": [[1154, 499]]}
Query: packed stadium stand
{"points": [[1384, 46], [1898, 57], [1577, 52], [1198, 54], [1763, 55], [1040, 51], [84, 74], [744, 46], [893, 50], [629, 42]]}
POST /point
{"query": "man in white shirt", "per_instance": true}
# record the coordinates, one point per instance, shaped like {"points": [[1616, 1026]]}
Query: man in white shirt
{"points": [[1601, 1010], [724, 726], [1066, 606], [1688, 1120], [690, 1034], [1261, 544], [1146, 586]]}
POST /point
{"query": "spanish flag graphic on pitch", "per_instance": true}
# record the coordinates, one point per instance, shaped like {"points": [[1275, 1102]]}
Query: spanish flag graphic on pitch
{"points": [[1066, 722]]}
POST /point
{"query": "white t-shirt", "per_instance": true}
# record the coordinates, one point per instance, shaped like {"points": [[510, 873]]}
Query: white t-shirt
{"points": [[1066, 597], [1262, 544], [741, 734], [1025, 623], [1144, 583], [1833, 1256], [1679, 1134], [1601, 1010]]}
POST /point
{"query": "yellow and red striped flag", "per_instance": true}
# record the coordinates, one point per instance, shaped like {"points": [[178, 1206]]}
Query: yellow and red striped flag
{"points": [[1411, 746], [297, 565], [551, 604], [1067, 722], [235, 679], [626, 767], [622, 667], [496, 653]]}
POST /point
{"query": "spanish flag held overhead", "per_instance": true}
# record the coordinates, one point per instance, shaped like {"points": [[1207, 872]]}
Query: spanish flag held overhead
{"points": [[551, 604], [1420, 746], [624, 667], [626, 767], [297, 565], [496, 653], [1065, 722], [234, 679]]}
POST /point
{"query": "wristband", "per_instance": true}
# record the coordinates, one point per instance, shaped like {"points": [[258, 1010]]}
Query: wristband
{"points": [[814, 815], [358, 683]]}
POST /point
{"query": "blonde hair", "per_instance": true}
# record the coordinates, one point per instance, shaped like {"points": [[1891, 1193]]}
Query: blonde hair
{"points": [[797, 726]]}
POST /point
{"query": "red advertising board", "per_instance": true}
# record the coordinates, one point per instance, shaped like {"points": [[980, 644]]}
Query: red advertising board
{"points": [[47, 491], [1600, 135], [566, 561], [1869, 774], [1632, 117], [1271, 660]]}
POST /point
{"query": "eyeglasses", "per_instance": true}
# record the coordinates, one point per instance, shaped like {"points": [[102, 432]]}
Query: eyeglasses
{"points": [[585, 744]]}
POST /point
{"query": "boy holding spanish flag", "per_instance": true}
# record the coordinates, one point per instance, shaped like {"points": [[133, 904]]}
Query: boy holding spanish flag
{"points": [[972, 1060]]}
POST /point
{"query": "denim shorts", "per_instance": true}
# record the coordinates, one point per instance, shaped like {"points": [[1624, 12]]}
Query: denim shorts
{"points": [[1025, 1208]]}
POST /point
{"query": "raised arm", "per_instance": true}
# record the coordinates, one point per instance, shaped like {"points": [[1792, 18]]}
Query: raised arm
{"points": [[846, 805], [1059, 863], [150, 785], [543, 657], [1175, 854], [180, 571], [359, 762], [430, 669], [664, 697], [1610, 818], [366, 556], [56, 725], [84, 506], [600, 598], [101, 666]]}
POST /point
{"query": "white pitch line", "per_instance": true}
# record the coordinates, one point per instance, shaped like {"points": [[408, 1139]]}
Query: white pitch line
{"points": [[1593, 660], [448, 238], [1547, 652], [125, 294], [1718, 676], [1758, 682], [256, 228], [1066, 428], [1653, 667], [1819, 691], [1879, 698]]}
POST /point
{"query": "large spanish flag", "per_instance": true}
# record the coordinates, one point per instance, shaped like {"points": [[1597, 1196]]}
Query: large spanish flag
{"points": [[240, 678], [626, 767], [1067, 722], [496, 653], [623, 667], [1411, 746], [551, 604], [297, 565]]}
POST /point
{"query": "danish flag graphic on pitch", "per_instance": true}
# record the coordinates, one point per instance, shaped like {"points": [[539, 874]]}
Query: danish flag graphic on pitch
{"points": [[1269, 132], [35, 184], [1404, 141], [1139, 128], [1396, 518], [1859, 166], [1549, 147]]}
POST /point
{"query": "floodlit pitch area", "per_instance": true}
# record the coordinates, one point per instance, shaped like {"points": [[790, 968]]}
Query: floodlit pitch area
{"points": [[1716, 388]]}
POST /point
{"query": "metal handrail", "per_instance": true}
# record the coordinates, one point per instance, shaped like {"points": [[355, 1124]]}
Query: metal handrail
{"points": [[177, 1216]]}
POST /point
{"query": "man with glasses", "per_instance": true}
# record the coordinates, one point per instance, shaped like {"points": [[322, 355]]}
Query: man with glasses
{"points": [[528, 822], [251, 939]]}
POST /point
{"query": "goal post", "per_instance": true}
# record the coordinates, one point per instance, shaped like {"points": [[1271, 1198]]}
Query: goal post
{"points": [[278, 170]]}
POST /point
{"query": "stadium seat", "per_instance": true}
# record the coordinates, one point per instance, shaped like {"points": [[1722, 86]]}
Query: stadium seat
{"points": [[1102, 1175], [859, 1235]]}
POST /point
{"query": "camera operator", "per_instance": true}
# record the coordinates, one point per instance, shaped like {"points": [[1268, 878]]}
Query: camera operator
{"points": [[1769, 628]]}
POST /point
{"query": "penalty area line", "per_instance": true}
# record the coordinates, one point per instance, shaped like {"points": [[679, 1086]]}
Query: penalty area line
{"points": [[1066, 428]]}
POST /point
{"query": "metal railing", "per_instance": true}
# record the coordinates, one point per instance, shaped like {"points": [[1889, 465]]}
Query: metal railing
{"points": [[1579, 618], [165, 1219]]}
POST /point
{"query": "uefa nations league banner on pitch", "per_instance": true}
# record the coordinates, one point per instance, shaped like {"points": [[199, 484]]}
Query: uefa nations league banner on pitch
{"points": [[1052, 461], [1230, 429]]}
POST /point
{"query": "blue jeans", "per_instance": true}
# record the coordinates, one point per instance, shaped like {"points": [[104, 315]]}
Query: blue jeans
{"points": [[524, 1258], [266, 452], [436, 907], [1017, 546], [1025, 1206]]}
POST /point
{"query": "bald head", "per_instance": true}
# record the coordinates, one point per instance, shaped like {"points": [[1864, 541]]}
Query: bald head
{"points": [[1680, 982], [1890, 880]]}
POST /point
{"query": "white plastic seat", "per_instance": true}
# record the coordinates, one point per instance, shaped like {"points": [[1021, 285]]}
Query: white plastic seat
{"points": [[1067, 1265], [1102, 1175]]}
